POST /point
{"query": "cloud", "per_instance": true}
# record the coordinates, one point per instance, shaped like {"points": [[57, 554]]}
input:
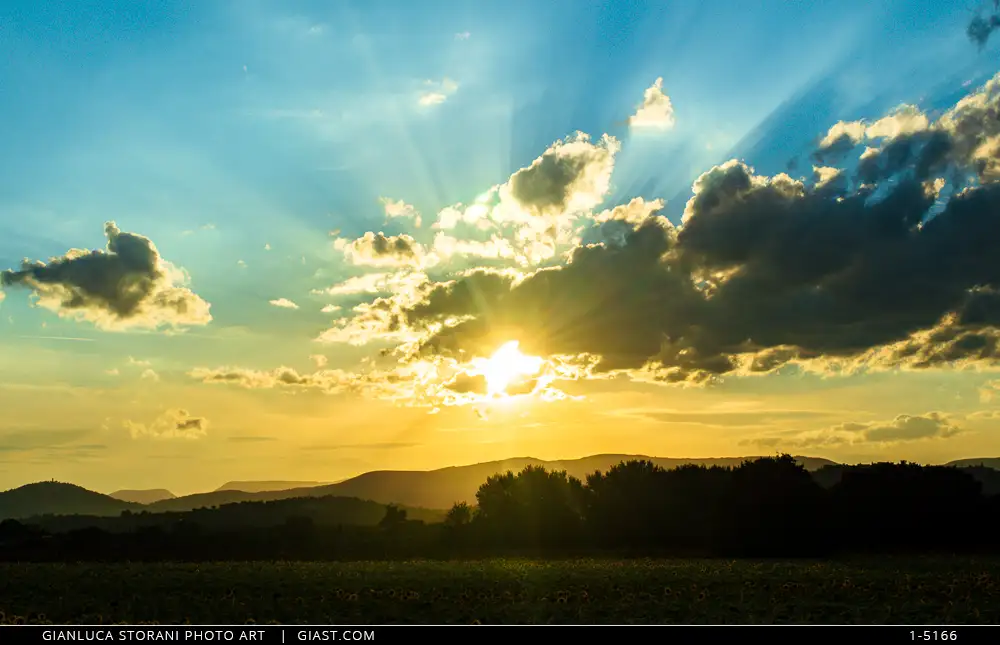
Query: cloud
{"points": [[283, 303], [400, 209], [250, 439], [981, 27], [379, 445], [172, 424], [437, 92], [381, 250], [904, 428], [375, 283], [904, 121], [128, 285], [329, 309], [42, 439], [328, 380], [463, 35], [319, 360], [137, 362], [989, 390], [656, 111], [571, 177], [426, 384], [723, 419], [149, 375], [763, 273]]}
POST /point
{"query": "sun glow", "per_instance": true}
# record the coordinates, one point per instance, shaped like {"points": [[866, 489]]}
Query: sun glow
{"points": [[507, 366]]}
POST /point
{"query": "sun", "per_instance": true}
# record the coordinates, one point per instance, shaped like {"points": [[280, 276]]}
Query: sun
{"points": [[506, 366]]}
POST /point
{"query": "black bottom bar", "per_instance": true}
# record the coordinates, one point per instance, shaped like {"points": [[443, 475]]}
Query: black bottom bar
{"points": [[272, 634]]}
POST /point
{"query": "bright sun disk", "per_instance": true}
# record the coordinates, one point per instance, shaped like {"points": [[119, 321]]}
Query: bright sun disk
{"points": [[505, 367]]}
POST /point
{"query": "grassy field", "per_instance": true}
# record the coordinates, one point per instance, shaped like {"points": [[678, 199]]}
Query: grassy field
{"points": [[887, 590]]}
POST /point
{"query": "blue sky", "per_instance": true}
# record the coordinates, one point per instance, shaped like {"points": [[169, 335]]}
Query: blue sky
{"points": [[245, 132]]}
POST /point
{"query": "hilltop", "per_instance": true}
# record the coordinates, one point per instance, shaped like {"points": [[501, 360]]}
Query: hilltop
{"points": [[142, 496], [58, 498]]}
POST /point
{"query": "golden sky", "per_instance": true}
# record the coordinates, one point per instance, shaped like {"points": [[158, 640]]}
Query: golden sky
{"points": [[248, 271]]}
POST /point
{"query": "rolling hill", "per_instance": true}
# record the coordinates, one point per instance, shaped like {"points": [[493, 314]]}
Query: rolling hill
{"points": [[57, 498], [142, 496], [323, 511], [437, 489], [265, 486], [418, 490], [986, 462]]}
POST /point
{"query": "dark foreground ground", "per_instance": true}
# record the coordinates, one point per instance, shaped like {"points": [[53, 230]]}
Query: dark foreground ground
{"points": [[904, 590]]}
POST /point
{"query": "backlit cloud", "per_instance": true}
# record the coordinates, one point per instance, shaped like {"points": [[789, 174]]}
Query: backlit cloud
{"points": [[397, 208], [381, 250], [656, 111], [128, 285]]}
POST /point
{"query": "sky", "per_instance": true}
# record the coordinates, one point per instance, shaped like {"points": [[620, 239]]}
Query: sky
{"points": [[303, 240]]}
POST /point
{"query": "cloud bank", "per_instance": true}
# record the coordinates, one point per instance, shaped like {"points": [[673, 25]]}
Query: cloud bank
{"points": [[884, 258]]}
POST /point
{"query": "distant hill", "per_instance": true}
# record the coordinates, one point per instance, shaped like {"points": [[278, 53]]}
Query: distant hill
{"points": [[57, 498], [436, 489], [142, 496], [265, 486], [987, 462]]}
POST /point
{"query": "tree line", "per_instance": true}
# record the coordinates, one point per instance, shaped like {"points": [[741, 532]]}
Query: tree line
{"points": [[770, 506]]}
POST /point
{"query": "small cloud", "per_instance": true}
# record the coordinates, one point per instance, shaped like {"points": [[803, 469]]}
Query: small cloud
{"points": [[989, 391], [284, 303], [319, 360], [398, 208], [656, 109], [329, 309], [172, 424], [241, 264], [267, 247], [316, 30], [437, 92], [462, 35], [149, 375], [112, 372], [138, 363]]}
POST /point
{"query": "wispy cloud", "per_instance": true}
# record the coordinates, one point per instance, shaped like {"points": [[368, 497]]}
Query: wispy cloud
{"points": [[284, 303], [437, 92]]}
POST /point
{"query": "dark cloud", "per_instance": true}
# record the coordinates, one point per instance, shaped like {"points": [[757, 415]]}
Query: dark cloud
{"points": [[571, 173], [981, 27], [126, 285]]}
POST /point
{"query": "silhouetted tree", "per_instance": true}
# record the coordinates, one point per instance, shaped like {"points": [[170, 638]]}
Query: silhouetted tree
{"points": [[394, 517]]}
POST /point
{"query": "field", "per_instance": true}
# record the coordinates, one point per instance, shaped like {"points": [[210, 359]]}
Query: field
{"points": [[888, 590]]}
